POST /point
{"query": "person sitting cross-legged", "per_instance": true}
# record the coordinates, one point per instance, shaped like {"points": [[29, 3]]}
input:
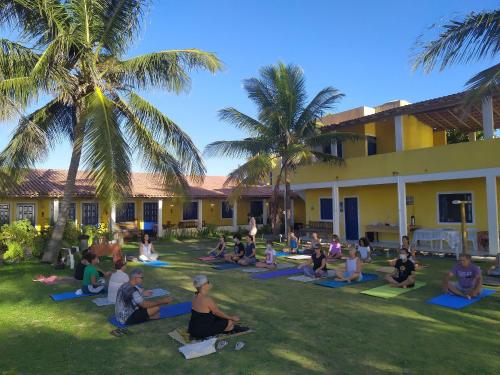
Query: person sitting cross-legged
{"points": [[316, 266], [270, 254], [206, 318], [469, 278], [147, 251], [404, 269], [219, 251], [130, 307], [93, 279], [117, 279], [238, 250], [249, 259], [353, 268]]}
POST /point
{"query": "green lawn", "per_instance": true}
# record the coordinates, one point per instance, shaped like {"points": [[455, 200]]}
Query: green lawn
{"points": [[299, 328]]}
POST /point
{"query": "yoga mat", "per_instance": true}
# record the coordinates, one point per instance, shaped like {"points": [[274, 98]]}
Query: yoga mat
{"points": [[387, 291], [226, 266], [156, 263], [278, 273], [181, 335], [491, 280], [307, 279], [168, 311], [339, 284], [456, 302], [282, 253], [299, 257], [103, 301], [68, 295], [254, 270]]}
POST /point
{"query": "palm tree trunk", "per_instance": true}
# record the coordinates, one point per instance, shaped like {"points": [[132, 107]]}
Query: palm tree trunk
{"points": [[275, 206], [287, 202], [52, 252]]}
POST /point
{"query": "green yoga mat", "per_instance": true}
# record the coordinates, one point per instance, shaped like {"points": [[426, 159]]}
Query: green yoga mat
{"points": [[386, 291]]}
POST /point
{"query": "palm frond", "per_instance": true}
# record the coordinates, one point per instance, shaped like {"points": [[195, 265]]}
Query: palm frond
{"points": [[241, 121], [483, 84], [327, 138], [237, 149], [15, 60], [253, 172], [477, 36], [21, 90], [87, 25]]}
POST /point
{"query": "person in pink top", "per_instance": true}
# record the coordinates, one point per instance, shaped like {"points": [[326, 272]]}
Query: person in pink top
{"points": [[270, 254], [335, 251]]}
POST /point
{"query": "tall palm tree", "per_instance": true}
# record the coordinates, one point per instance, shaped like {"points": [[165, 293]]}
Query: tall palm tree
{"points": [[285, 134], [475, 37], [73, 53]]}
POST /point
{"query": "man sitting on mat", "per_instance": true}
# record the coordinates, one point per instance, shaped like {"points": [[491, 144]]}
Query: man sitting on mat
{"points": [[249, 258], [131, 308], [206, 318], [238, 250], [93, 280], [353, 268], [469, 278], [316, 266], [403, 276]]}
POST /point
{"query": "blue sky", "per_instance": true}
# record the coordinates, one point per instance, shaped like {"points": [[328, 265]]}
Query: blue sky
{"points": [[363, 48]]}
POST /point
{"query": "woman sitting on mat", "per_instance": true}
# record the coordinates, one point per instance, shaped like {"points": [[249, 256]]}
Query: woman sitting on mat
{"points": [[238, 250], [293, 242], [364, 250], [93, 280], [147, 250], [335, 251], [316, 266], [353, 268], [117, 279], [206, 318], [249, 258], [403, 276], [219, 251], [270, 254]]}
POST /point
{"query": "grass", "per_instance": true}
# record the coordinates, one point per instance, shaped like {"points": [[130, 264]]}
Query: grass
{"points": [[299, 328]]}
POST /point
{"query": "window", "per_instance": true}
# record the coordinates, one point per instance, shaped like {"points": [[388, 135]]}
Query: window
{"points": [[26, 212], [371, 145], [4, 213], [90, 214], [257, 211], [340, 149], [190, 211], [227, 210], [327, 149], [126, 212], [449, 212], [326, 208], [71, 212]]}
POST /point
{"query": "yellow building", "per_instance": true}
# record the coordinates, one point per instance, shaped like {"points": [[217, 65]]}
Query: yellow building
{"points": [[149, 208], [403, 178]]}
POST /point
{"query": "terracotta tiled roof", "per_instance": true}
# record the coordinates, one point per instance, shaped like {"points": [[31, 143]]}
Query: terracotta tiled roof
{"points": [[50, 183]]}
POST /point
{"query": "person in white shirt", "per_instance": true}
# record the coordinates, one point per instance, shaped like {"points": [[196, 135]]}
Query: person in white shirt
{"points": [[118, 278], [364, 250], [270, 254], [147, 250]]}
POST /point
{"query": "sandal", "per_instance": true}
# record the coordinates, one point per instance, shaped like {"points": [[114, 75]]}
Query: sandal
{"points": [[124, 331], [239, 345], [116, 333], [221, 344]]}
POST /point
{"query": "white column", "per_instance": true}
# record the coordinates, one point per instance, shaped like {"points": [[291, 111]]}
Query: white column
{"points": [[488, 121], [200, 214], [398, 131], [334, 148], [55, 204], [160, 218], [112, 217], [265, 212], [403, 225], [491, 199], [235, 216], [336, 209]]}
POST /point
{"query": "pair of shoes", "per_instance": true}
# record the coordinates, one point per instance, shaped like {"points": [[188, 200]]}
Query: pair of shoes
{"points": [[239, 345]]}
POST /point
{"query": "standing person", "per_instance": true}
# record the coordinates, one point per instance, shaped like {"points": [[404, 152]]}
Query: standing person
{"points": [[219, 250], [293, 242], [117, 279], [270, 254], [364, 250], [353, 268], [316, 266], [403, 276], [252, 227], [250, 251], [469, 278], [206, 318], [315, 241], [238, 250], [130, 307], [147, 250], [335, 251], [93, 281]]}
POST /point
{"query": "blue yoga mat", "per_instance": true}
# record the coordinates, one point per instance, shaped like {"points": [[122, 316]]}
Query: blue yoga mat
{"points": [[226, 266], [156, 263], [168, 311], [68, 295], [456, 302], [282, 253], [277, 273], [339, 284]]}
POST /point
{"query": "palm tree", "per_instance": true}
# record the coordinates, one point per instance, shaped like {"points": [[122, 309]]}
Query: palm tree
{"points": [[71, 56], [285, 134], [475, 37]]}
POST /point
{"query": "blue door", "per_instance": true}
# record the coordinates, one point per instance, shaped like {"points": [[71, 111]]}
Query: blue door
{"points": [[351, 219], [150, 217]]}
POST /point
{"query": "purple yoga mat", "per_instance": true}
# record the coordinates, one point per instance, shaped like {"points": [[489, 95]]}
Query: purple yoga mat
{"points": [[278, 273]]}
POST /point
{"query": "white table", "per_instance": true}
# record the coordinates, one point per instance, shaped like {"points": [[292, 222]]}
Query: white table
{"points": [[452, 237]]}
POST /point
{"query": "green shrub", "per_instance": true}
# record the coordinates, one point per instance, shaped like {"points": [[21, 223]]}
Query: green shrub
{"points": [[91, 231], [71, 233], [15, 252], [18, 238]]}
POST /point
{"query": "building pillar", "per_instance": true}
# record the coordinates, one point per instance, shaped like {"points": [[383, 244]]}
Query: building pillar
{"points": [[235, 216], [200, 214], [403, 225], [398, 131], [160, 219], [112, 218], [488, 121], [55, 205], [491, 199], [335, 209]]}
